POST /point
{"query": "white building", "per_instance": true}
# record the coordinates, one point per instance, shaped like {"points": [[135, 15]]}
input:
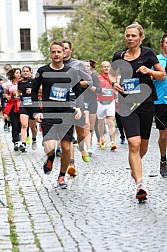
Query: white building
{"points": [[22, 22]]}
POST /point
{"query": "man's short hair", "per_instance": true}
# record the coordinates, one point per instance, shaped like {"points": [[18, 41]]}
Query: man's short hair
{"points": [[68, 42], [163, 38], [60, 43]]}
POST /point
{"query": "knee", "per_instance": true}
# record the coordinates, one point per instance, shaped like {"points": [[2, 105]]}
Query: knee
{"points": [[33, 129], [24, 126], [143, 148], [66, 148], [134, 146], [163, 135], [82, 134]]}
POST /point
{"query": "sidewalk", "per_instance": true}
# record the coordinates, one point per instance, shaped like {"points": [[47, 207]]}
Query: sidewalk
{"points": [[97, 213]]}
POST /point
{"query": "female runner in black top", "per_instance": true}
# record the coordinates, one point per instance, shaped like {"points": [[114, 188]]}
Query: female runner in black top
{"points": [[26, 110], [136, 108]]}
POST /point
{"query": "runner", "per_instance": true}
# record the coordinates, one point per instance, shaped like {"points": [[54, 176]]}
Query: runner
{"points": [[85, 81], [13, 102], [137, 111], [106, 107], [90, 99], [26, 110], [161, 107], [3, 102], [56, 81]]}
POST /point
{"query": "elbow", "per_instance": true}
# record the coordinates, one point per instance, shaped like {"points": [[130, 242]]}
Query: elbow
{"points": [[162, 77]]}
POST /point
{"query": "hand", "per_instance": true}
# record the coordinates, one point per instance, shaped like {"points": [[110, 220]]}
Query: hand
{"points": [[78, 113], [143, 70], [83, 84], [28, 91], [39, 117], [165, 71], [17, 97], [8, 97], [118, 87], [103, 90]]}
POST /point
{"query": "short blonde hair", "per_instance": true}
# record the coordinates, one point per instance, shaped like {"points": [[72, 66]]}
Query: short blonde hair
{"points": [[137, 26]]}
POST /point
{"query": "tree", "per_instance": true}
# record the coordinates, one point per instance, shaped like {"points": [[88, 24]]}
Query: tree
{"points": [[92, 33], [97, 27], [45, 40], [150, 13]]}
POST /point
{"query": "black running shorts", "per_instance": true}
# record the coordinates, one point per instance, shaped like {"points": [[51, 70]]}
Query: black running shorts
{"points": [[54, 131], [27, 111], [161, 116], [139, 122]]}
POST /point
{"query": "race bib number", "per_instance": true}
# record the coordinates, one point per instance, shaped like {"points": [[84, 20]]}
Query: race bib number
{"points": [[107, 92], [27, 101], [131, 86], [165, 93], [58, 93]]}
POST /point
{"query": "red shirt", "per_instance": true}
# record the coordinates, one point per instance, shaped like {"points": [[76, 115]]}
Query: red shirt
{"points": [[108, 95]]}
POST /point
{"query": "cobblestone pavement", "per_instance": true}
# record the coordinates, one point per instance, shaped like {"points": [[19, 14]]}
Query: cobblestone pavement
{"points": [[97, 213]]}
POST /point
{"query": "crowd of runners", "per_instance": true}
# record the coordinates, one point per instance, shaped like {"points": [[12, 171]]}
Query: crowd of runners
{"points": [[70, 102]]}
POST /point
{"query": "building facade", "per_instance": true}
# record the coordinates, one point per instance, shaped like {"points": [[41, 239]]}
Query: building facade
{"points": [[22, 22]]}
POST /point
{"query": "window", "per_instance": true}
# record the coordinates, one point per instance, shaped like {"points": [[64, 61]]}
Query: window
{"points": [[23, 5], [25, 40]]}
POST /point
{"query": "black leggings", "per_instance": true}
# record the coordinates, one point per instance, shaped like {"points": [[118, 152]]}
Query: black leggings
{"points": [[119, 125], [16, 127]]}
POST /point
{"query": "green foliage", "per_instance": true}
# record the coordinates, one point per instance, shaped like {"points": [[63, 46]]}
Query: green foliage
{"points": [[46, 39], [97, 27], [92, 33], [150, 13]]}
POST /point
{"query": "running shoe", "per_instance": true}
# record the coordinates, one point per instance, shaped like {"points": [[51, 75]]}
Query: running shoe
{"points": [[58, 152], [89, 151], [48, 165], [74, 141], [113, 146], [22, 148], [34, 145], [5, 128], [163, 169], [141, 193], [16, 146], [28, 140], [123, 141], [61, 182], [85, 156], [102, 144], [71, 170]]}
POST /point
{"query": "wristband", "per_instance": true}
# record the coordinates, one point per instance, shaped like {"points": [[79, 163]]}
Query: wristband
{"points": [[112, 83]]}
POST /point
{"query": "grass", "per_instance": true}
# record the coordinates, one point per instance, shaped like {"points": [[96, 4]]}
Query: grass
{"points": [[13, 235]]}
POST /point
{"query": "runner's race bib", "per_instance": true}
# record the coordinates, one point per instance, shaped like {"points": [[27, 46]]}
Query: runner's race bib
{"points": [[58, 93], [107, 92], [27, 100], [131, 86]]}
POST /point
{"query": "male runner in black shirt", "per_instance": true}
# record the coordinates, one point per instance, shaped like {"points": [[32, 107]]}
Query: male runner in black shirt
{"points": [[57, 112]]}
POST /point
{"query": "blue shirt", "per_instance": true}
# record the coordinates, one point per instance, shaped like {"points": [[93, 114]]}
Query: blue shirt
{"points": [[161, 85]]}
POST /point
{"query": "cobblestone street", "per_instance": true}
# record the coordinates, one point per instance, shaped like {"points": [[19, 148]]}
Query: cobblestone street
{"points": [[97, 213]]}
